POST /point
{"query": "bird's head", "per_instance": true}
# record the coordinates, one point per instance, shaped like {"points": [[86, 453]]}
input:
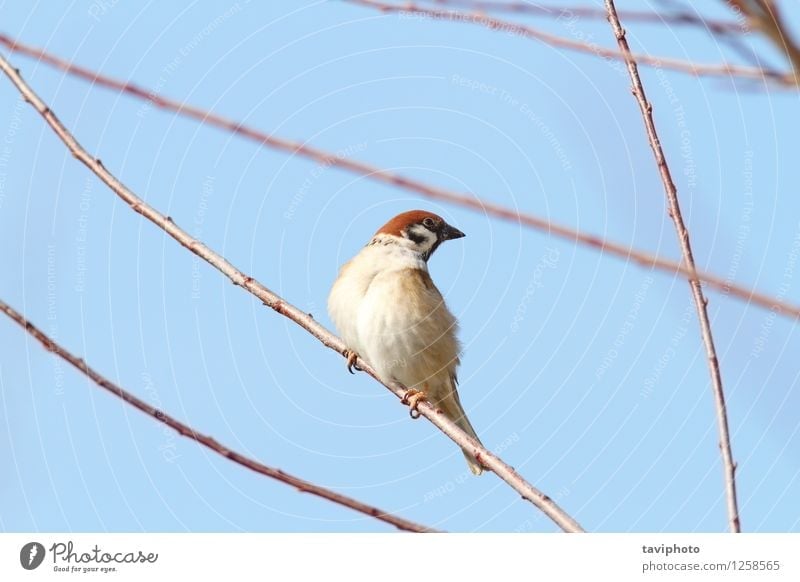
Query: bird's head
{"points": [[418, 230]]}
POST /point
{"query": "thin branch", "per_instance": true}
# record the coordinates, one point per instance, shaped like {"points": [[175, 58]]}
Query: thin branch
{"points": [[683, 18], [778, 306], [723, 70], [185, 430], [726, 31], [701, 303], [764, 15], [275, 302]]}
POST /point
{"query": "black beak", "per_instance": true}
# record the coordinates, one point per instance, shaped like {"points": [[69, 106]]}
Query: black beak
{"points": [[449, 233]]}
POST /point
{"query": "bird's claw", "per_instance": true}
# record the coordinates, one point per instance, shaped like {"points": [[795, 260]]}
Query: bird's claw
{"points": [[351, 361], [412, 398]]}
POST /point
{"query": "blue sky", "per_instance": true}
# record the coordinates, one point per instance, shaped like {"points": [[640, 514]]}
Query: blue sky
{"points": [[585, 371]]}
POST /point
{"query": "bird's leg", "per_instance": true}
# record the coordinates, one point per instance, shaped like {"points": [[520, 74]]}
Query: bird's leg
{"points": [[413, 397], [351, 361]]}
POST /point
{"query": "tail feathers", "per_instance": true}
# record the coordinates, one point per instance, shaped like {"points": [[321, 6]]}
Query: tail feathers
{"points": [[455, 413]]}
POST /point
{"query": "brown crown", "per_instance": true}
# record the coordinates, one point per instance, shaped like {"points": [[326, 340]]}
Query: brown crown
{"points": [[399, 223]]}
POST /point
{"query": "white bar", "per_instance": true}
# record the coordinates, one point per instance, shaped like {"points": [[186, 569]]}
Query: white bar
{"points": [[406, 557]]}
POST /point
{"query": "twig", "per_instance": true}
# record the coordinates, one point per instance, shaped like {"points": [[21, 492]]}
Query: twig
{"points": [[275, 302], [720, 27], [764, 15], [727, 31], [532, 221], [185, 430], [701, 303], [723, 70]]}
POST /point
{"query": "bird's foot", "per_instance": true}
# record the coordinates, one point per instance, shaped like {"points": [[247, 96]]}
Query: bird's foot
{"points": [[351, 361], [413, 397]]}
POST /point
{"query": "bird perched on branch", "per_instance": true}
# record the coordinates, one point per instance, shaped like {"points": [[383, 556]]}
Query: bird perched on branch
{"points": [[390, 313]]}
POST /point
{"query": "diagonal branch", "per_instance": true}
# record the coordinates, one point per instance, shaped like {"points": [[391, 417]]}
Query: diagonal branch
{"points": [[764, 15], [185, 430], [723, 70], [701, 303], [532, 221], [275, 302], [728, 31], [682, 18]]}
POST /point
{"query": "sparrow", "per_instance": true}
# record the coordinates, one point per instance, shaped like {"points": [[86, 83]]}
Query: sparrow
{"points": [[389, 312]]}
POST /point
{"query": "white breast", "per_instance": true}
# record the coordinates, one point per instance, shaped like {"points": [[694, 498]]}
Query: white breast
{"points": [[355, 278]]}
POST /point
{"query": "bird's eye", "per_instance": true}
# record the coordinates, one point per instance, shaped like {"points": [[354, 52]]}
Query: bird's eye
{"points": [[428, 223]]}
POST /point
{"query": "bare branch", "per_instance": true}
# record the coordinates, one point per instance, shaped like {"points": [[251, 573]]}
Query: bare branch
{"points": [[275, 302], [764, 15], [185, 430], [701, 303], [726, 31], [778, 306], [684, 18], [723, 70]]}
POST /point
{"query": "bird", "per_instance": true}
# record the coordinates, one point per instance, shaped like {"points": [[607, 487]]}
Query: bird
{"points": [[390, 313]]}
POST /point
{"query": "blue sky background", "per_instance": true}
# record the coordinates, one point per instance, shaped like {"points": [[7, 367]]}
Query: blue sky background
{"points": [[585, 371]]}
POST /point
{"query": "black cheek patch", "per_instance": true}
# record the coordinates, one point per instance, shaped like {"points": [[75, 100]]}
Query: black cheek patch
{"points": [[416, 238]]}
